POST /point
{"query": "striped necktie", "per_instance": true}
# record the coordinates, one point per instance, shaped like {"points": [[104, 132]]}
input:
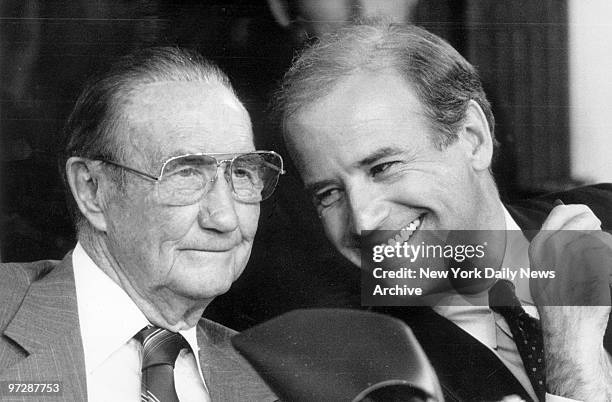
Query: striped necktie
{"points": [[160, 350], [526, 332]]}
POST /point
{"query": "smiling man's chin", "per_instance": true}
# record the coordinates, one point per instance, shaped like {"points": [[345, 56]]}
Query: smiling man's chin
{"points": [[354, 256]]}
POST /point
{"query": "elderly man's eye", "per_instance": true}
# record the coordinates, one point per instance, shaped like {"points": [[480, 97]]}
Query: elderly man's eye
{"points": [[245, 172], [186, 171], [241, 173], [327, 197]]}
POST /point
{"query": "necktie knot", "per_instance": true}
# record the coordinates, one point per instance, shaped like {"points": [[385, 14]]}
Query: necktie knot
{"points": [[503, 300], [160, 346], [160, 350]]}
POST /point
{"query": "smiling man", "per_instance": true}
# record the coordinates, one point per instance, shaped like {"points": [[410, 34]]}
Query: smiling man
{"points": [[165, 185], [391, 130]]}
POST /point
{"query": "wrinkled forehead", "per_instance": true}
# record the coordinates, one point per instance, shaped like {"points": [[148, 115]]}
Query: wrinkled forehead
{"points": [[166, 119], [363, 111]]}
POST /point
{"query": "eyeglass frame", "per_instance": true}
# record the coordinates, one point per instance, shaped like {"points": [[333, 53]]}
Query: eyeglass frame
{"points": [[144, 175]]}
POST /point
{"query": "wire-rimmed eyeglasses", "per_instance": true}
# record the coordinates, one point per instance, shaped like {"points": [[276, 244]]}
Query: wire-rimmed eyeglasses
{"points": [[185, 179]]}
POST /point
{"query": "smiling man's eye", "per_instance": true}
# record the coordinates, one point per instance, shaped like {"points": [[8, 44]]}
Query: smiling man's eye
{"points": [[327, 197], [381, 167]]}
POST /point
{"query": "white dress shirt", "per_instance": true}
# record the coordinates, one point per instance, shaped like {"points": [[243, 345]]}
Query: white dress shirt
{"points": [[109, 319], [489, 327]]}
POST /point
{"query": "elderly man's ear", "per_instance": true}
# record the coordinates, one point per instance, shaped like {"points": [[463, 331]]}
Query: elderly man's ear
{"points": [[84, 179], [477, 138]]}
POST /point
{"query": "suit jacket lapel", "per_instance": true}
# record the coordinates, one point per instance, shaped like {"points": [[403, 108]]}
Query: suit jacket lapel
{"points": [[47, 327], [228, 376], [468, 370]]}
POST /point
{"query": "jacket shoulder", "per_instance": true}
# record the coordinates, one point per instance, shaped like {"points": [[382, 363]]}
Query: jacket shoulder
{"points": [[216, 333], [228, 375], [15, 280], [597, 197]]}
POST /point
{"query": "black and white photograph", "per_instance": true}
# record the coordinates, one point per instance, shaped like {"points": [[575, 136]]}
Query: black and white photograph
{"points": [[306, 200]]}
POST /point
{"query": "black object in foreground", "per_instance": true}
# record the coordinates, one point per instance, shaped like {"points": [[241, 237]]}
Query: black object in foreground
{"points": [[339, 355]]}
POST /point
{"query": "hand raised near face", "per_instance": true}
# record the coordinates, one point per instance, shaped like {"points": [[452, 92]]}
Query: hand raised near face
{"points": [[572, 245], [574, 307]]}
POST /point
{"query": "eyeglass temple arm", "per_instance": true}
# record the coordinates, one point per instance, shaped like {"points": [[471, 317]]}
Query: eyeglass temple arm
{"points": [[273, 166], [138, 172]]}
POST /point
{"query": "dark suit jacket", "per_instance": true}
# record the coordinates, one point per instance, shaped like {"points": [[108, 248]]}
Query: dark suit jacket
{"points": [[467, 370], [40, 337]]}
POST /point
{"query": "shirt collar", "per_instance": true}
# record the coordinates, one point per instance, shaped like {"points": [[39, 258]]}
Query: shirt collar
{"points": [[108, 316], [517, 256], [479, 320]]}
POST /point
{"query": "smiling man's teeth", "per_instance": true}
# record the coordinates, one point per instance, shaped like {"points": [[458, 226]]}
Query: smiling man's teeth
{"points": [[405, 232]]}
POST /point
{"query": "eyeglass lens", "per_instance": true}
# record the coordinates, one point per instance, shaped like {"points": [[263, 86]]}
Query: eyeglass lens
{"points": [[186, 179]]}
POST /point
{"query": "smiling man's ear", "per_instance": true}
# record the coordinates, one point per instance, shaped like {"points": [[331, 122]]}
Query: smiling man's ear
{"points": [[84, 179], [477, 137]]}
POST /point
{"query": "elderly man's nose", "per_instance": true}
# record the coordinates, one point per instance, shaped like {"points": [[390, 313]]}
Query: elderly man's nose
{"points": [[217, 208]]}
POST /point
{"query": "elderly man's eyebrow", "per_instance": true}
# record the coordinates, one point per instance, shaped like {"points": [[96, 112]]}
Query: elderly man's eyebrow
{"points": [[380, 153], [161, 158], [181, 152]]}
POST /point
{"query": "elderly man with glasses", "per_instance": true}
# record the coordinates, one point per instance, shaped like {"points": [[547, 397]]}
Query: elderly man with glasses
{"points": [[165, 185]]}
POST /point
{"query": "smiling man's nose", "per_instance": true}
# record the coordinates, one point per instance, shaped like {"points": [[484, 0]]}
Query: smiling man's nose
{"points": [[365, 211], [217, 207]]}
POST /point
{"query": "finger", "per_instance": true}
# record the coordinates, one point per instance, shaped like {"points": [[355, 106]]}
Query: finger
{"points": [[586, 221], [572, 241], [562, 214]]}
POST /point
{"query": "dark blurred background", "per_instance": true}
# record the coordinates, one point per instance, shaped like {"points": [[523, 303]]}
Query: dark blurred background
{"points": [[49, 48]]}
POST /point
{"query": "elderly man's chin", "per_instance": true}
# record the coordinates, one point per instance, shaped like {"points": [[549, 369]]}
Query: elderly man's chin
{"points": [[203, 275]]}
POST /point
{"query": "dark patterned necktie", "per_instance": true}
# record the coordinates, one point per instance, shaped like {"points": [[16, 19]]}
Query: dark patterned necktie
{"points": [[160, 350], [526, 332]]}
